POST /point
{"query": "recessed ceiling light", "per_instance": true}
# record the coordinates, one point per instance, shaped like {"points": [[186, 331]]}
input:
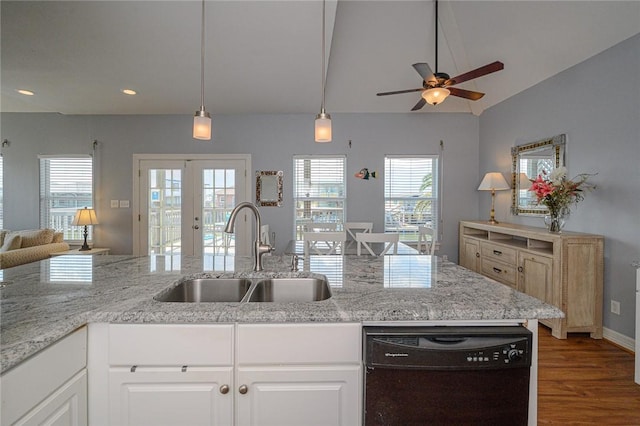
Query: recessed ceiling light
{"points": [[25, 92], [129, 91]]}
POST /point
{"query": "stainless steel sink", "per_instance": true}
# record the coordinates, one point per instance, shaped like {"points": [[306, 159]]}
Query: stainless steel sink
{"points": [[290, 290], [207, 290]]}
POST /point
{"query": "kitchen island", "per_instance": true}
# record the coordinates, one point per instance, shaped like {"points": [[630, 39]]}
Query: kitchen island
{"points": [[43, 302]]}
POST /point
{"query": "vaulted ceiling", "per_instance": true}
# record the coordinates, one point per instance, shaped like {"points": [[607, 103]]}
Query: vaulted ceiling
{"points": [[264, 56]]}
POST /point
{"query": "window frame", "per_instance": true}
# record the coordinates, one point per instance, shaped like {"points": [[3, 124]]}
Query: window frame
{"points": [[298, 225], [410, 234], [72, 234]]}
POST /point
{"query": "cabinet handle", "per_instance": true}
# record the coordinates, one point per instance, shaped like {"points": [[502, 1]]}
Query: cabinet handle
{"points": [[496, 270], [497, 252], [243, 389], [224, 389], [520, 269], [477, 254]]}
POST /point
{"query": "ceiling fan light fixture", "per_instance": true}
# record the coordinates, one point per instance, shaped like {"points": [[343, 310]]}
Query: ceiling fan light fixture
{"points": [[323, 127], [435, 95]]}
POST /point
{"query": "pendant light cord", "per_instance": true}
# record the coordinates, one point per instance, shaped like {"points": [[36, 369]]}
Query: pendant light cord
{"points": [[202, 60], [323, 52]]}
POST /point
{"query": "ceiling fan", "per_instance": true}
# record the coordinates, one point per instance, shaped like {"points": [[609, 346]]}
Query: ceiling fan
{"points": [[437, 86]]}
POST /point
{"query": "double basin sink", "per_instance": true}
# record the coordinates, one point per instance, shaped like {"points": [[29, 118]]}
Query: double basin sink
{"points": [[283, 290]]}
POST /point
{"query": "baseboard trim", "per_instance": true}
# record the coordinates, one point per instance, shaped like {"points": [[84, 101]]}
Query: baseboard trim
{"points": [[619, 339]]}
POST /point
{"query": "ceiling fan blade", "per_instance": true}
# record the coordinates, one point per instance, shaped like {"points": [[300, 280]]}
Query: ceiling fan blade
{"points": [[478, 72], [419, 105], [467, 94], [399, 91], [425, 72]]}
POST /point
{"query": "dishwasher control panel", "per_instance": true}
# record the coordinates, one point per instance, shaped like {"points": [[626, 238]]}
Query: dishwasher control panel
{"points": [[447, 348]]}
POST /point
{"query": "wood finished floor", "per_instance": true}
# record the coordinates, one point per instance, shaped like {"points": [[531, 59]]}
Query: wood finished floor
{"points": [[582, 381]]}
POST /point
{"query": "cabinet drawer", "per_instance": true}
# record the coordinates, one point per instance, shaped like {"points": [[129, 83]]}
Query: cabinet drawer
{"points": [[498, 252], [299, 343], [499, 271], [170, 344]]}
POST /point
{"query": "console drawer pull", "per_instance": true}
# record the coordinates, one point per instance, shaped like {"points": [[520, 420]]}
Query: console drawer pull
{"points": [[496, 270], [497, 252]]}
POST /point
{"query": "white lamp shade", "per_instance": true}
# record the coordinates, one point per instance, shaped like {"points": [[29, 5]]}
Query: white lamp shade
{"points": [[323, 128], [435, 95], [202, 127], [523, 182], [493, 181], [85, 217]]}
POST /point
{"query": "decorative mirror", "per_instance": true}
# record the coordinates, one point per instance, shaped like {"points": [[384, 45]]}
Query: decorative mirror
{"points": [[527, 162], [269, 188]]}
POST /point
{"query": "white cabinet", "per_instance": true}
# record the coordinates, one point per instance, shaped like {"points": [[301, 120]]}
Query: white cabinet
{"points": [[273, 374], [303, 374], [50, 388], [169, 396]]}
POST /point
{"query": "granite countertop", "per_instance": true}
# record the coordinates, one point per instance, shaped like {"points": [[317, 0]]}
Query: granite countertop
{"points": [[43, 301]]}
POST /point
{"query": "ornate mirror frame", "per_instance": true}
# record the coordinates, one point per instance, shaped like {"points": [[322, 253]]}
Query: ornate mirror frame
{"points": [[545, 154], [269, 188]]}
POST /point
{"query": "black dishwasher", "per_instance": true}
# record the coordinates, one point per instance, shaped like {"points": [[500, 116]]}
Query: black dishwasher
{"points": [[447, 375]]}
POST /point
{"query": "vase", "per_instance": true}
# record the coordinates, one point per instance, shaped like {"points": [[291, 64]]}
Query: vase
{"points": [[555, 222]]}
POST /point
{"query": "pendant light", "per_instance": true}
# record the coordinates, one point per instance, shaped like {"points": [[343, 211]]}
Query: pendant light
{"points": [[323, 120], [202, 119]]}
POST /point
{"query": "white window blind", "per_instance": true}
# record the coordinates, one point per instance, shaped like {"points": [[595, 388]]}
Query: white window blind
{"points": [[66, 185], [411, 195], [319, 190]]}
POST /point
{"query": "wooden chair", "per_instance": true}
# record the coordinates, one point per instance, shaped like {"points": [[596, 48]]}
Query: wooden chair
{"points": [[333, 241], [366, 238], [426, 238], [354, 227]]}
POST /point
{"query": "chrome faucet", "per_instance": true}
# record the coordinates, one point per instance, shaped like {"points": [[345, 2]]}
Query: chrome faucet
{"points": [[259, 248]]}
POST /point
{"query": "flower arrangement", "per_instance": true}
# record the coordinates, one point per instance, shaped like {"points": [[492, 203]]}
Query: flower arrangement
{"points": [[557, 193]]}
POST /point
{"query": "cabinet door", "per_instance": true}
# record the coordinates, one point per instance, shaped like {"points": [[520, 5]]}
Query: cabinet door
{"points": [[164, 396], [67, 406], [536, 276], [470, 254], [294, 396]]}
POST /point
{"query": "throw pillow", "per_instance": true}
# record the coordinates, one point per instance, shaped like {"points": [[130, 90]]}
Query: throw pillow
{"points": [[12, 241], [58, 237], [36, 237], [3, 232]]}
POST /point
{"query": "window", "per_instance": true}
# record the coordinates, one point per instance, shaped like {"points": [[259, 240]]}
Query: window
{"points": [[66, 185], [319, 190], [410, 195]]}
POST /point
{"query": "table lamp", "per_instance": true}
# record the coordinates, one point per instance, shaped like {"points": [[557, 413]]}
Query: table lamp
{"points": [[493, 181], [85, 217]]}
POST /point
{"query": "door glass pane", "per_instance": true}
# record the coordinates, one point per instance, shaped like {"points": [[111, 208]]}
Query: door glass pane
{"points": [[218, 195], [165, 205]]}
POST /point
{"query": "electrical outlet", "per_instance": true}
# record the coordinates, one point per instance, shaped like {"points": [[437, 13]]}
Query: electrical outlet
{"points": [[615, 307]]}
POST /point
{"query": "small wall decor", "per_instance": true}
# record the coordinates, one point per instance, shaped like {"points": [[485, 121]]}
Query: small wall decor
{"points": [[365, 174], [269, 188]]}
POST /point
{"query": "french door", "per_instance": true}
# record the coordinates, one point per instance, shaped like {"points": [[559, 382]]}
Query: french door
{"points": [[183, 205]]}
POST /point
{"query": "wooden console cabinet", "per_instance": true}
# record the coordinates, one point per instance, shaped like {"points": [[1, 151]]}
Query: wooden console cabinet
{"points": [[565, 270]]}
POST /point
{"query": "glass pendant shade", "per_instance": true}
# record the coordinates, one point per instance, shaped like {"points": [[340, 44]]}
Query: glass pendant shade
{"points": [[202, 125], [435, 95], [323, 127]]}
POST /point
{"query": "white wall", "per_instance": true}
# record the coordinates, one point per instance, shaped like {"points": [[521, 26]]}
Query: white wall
{"points": [[597, 105], [271, 139]]}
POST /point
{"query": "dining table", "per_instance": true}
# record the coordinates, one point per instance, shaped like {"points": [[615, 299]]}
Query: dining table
{"points": [[296, 247]]}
